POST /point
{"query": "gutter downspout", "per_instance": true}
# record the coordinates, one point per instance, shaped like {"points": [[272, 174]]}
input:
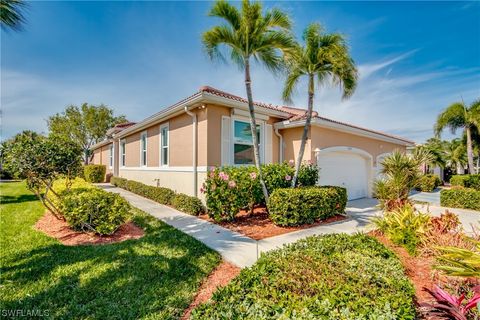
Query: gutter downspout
{"points": [[195, 148], [281, 145]]}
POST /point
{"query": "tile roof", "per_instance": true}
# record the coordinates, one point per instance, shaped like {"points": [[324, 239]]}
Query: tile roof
{"points": [[296, 113]]}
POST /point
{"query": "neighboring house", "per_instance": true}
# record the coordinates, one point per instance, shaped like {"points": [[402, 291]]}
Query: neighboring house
{"points": [[175, 147]]}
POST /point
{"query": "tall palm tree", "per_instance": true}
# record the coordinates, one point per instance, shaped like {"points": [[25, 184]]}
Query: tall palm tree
{"points": [[11, 15], [459, 115], [324, 58], [249, 34], [455, 155]]}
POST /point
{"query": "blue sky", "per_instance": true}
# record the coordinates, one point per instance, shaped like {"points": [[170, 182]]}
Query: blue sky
{"points": [[138, 57]]}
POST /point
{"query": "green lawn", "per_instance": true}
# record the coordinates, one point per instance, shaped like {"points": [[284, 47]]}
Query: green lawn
{"points": [[155, 277]]}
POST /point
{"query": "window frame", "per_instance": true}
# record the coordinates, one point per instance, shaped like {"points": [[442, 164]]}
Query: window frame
{"points": [[142, 158], [233, 141], [123, 153], [111, 159], [161, 147]]}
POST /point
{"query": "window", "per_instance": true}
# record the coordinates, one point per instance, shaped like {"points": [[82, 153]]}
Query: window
{"points": [[110, 156], [123, 154], [243, 142], [143, 149], [164, 145]]}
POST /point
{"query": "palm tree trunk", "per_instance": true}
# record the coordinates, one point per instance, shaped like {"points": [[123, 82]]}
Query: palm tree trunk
{"points": [[469, 151], [253, 128], [306, 128]]}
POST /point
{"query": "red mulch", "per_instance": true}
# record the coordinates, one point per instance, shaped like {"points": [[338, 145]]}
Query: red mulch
{"points": [[418, 269], [219, 277], [60, 230], [258, 226]]}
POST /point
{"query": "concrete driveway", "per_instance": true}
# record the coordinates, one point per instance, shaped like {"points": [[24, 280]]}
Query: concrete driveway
{"points": [[429, 197]]}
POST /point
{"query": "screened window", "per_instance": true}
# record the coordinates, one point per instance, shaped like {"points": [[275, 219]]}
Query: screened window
{"points": [[243, 143], [143, 149], [110, 156], [122, 153], [164, 145]]}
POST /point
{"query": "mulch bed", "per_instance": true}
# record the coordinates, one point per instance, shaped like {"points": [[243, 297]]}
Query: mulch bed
{"points": [[258, 225], [219, 277], [60, 230], [418, 269]]}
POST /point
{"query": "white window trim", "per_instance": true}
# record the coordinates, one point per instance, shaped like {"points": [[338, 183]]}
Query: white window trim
{"points": [[122, 161], [259, 122], [111, 156], [144, 133], [160, 147]]}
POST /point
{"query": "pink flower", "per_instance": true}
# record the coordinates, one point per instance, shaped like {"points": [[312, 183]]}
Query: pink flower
{"points": [[253, 175], [232, 184], [212, 168], [309, 162], [288, 178], [212, 174], [202, 190], [291, 162], [223, 176]]}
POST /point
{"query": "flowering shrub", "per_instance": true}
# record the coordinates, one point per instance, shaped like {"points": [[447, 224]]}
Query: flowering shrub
{"points": [[229, 189]]}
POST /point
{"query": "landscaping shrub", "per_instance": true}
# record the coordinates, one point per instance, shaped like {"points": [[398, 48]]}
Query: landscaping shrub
{"points": [[334, 276], [473, 181], [458, 197], [94, 210], [459, 180], [428, 182], [158, 194], [229, 189], [404, 226], [94, 173], [188, 204], [119, 182], [291, 207], [61, 185]]}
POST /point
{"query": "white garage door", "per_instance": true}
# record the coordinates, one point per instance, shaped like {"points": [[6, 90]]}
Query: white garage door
{"points": [[345, 169]]}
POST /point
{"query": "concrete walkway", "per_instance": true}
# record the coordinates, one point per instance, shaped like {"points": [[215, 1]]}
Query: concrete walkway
{"points": [[244, 251], [429, 197]]}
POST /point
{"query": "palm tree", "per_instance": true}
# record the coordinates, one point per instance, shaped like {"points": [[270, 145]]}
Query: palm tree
{"points": [[11, 16], [456, 116], [455, 155], [249, 34], [324, 58], [435, 147]]}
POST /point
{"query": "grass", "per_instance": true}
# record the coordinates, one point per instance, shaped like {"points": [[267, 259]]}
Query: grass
{"points": [[155, 277]]}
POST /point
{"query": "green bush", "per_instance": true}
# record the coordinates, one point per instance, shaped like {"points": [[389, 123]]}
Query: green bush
{"points": [[158, 194], [230, 188], [458, 197], [188, 204], [94, 210], [119, 182], [428, 183], [61, 185], [459, 180], [94, 173], [404, 226], [473, 182], [334, 276], [291, 207]]}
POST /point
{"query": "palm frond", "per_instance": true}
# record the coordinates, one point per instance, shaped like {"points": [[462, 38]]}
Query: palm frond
{"points": [[290, 85], [223, 9], [214, 38], [275, 18], [11, 14], [453, 117]]}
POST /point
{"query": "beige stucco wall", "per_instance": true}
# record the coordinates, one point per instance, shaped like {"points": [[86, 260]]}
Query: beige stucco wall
{"points": [[214, 133], [323, 138], [177, 181]]}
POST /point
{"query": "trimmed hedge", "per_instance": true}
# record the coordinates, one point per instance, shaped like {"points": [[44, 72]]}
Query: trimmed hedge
{"points": [[428, 182], [188, 204], [458, 197], [291, 207], [94, 210], [166, 196], [94, 173], [458, 180], [334, 276]]}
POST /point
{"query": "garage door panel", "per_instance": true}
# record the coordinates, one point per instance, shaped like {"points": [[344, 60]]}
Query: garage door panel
{"points": [[346, 170]]}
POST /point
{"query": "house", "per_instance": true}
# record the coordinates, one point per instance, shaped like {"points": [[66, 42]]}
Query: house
{"points": [[175, 147]]}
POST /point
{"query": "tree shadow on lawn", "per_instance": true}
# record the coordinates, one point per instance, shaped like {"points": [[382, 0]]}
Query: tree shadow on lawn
{"points": [[156, 276], [6, 199]]}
